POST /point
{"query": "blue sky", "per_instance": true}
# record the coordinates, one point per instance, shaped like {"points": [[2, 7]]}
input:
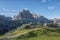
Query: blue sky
{"points": [[47, 8]]}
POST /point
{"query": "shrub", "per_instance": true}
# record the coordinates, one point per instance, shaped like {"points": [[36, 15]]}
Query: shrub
{"points": [[27, 27], [31, 34]]}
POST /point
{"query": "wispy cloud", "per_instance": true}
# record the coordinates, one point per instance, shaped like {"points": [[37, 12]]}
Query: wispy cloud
{"points": [[7, 10], [51, 7], [44, 1]]}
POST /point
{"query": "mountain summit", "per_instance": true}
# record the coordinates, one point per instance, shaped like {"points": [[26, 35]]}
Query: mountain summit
{"points": [[26, 15], [23, 15]]}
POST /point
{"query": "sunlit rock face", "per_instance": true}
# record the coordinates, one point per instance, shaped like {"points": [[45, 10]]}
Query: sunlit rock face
{"points": [[35, 15]]}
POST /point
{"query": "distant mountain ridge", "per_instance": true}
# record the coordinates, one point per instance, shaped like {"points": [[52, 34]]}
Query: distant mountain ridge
{"points": [[4, 18]]}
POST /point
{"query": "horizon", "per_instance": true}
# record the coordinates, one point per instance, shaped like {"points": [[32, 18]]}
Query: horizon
{"points": [[47, 8]]}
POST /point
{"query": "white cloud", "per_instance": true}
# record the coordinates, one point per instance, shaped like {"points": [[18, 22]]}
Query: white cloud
{"points": [[51, 8], [43, 1], [12, 10], [8, 10]]}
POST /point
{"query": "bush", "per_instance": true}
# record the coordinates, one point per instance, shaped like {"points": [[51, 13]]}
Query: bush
{"points": [[31, 34], [27, 27]]}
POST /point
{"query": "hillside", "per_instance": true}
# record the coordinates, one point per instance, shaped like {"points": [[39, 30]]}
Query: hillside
{"points": [[42, 34], [22, 29]]}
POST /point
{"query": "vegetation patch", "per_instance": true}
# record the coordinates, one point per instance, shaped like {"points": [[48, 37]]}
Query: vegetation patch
{"points": [[44, 33]]}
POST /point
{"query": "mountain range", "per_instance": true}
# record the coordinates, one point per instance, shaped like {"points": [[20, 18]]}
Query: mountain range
{"points": [[23, 17]]}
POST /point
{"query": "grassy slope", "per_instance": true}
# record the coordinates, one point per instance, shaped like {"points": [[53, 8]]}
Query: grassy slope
{"points": [[35, 34], [17, 31], [42, 34]]}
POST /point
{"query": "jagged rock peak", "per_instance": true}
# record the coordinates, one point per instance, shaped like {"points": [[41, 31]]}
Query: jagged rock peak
{"points": [[25, 9], [24, 15]]}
